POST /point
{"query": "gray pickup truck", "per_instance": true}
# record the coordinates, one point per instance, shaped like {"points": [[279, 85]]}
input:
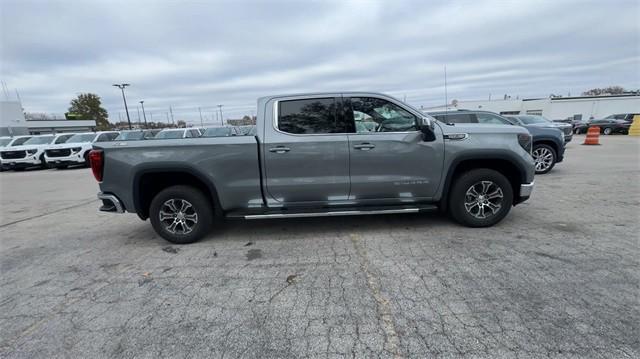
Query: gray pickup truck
{"points": [[320, 154]]}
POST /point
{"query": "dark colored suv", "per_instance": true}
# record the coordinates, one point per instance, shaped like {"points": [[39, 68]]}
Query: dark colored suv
{"points": [[548, 142]]}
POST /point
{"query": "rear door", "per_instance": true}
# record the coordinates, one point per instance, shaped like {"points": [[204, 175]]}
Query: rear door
{"points": [[306, 153], [390, 161]]}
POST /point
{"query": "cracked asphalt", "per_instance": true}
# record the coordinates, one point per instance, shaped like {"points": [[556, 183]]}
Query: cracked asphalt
{"points": [[559, 277]]}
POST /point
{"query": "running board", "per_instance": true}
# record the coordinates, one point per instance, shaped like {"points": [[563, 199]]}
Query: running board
{"points": [[361, 212]]}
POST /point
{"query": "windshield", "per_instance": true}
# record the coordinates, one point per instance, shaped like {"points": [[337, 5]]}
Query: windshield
{"points": [[20, 141], [81, 137], [170, 134], [530, 119], [39, 140], [130, 136], [217, 132], [63, 139], [4, 141]]}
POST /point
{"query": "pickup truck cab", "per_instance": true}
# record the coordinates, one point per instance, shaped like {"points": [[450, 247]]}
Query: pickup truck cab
{"points": [[321, 154], [75, 150], [31, 152]]}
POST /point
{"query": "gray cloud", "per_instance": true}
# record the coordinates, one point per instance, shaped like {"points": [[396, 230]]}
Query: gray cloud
{"points": [[198, 54]]}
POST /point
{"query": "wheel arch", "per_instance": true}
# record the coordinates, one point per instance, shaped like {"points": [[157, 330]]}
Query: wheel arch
{"points": [[148, 182], [502, 163]]}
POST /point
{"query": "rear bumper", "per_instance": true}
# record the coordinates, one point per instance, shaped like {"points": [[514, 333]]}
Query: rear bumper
{"points": [[110, 203], [525, 192]]}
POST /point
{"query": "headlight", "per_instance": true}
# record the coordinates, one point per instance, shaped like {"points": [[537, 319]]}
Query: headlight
{"points": [[524, 139], [32, 152], [76, 149]]}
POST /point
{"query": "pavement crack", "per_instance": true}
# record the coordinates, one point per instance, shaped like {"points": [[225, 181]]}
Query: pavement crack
{"points": [[392, 340], [48, 213]]}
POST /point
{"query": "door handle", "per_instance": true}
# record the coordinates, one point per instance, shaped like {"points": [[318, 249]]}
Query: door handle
{"points": [[280, 149], [364, 146]]}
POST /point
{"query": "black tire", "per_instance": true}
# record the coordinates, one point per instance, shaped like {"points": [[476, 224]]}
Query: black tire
{"points": [[43, 162], [200, 205], [607, 131], [458, 197], [86, 159], [554, 155]]}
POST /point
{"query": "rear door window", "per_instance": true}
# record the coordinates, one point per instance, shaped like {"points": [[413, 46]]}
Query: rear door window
{"points": [[309, 116]]}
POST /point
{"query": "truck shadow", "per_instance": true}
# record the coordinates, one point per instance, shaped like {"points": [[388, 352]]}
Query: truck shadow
{"points": [[292, 228]]}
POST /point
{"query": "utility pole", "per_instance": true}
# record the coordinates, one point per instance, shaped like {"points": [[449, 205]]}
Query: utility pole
{"points": [[221, 118], [121, 87], [145, 115], [138, 109], [201, 123], [171, 112]]}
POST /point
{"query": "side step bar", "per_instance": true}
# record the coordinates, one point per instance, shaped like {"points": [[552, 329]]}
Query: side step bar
{"points": [[361, 212]]}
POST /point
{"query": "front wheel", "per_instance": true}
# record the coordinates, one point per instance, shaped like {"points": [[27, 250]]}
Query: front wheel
{"points": [[480, 198], [181, 214], [607, 131], [544, 158]]}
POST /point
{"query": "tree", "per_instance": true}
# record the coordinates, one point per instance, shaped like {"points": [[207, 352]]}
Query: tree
{"points": [[611, 90], [88, 106]]}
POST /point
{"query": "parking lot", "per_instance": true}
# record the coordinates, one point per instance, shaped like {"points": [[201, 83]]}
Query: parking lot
{"points": [[559, 277]]}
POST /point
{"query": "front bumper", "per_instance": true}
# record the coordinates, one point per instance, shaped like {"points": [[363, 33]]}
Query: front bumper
{"points": [[525, 192], [74, 159], [25, 162]]}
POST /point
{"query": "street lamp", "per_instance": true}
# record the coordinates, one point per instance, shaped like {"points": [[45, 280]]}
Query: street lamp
{"points": [[144, 115], [221, 119], [121, 87]]}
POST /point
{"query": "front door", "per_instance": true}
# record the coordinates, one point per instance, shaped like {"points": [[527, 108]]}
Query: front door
{"points": [[306, 152], [390, 161]]}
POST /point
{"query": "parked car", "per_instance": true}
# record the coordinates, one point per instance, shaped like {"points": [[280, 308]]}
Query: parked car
{"points": [[75, 150], [540, 121], [220, 132], [7, 141], [607, 126], [176, 133], [309, 159], [31, 152], [136, 135], [548, 142], [249, 130]]}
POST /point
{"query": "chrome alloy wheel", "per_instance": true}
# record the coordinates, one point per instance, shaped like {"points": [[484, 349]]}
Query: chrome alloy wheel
{"points": [[178, 216], [542, 158], [483, 199]]}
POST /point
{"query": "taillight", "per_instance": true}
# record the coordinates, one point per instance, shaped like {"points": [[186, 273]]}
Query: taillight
{"points": [[96, 160], [524, 139]]}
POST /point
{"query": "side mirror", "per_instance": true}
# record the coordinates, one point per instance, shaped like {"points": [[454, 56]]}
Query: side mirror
{"points": [[426, 127]]}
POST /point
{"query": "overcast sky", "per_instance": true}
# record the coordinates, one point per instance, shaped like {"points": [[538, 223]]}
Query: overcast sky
{"points": [[191, 54]]}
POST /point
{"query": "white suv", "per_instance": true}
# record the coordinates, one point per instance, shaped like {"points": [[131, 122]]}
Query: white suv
{"points": [[76, 149], [31, 152], [9, 142]]}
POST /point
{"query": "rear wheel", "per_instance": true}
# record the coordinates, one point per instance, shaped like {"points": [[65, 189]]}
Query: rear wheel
{"points": [[181, 214], [480, 198], [544, 158]]}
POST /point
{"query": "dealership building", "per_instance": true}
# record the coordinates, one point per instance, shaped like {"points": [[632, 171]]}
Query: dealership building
{"points": [[555, 108], [14, 123]]}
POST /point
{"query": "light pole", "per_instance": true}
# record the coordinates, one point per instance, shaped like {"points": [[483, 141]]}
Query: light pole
{"points": [[144, 115], [201, 123], [121, 87], [221, 118]]}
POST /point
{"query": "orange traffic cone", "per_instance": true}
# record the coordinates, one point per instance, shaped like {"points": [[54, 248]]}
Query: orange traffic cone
{"points": [[593, 136]]}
